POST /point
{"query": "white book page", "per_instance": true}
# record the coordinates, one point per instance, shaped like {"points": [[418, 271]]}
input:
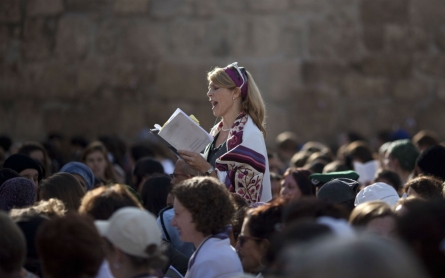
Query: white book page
{"points": [[184, 134], [366, 171]]}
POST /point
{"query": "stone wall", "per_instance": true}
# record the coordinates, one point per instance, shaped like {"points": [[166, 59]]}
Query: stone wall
{"points": [[324, 66]]}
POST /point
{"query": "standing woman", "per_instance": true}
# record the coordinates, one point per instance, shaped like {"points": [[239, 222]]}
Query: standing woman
{"points": [[95, 156], [238, 155]]}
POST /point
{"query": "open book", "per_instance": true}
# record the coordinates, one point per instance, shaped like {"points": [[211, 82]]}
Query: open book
{"points": [[366, 171], [181, 132]]}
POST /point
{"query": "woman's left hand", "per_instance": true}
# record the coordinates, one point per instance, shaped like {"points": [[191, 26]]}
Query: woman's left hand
{"points": [[195, 160]]}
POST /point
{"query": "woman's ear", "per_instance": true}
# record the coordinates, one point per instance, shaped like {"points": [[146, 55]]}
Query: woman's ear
{"points": [[236, 93], [264, 245]]}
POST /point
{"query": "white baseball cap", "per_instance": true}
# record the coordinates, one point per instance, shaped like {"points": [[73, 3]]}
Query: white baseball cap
{"points": [[132, 230], [378, 191]]}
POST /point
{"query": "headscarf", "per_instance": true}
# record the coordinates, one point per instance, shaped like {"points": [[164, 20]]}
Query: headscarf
{"points": [[81, 169], [17, 193], [19, 162]]}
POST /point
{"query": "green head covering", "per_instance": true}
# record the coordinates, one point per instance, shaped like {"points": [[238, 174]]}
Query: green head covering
{"points": [[320, 179], [405, 152]]}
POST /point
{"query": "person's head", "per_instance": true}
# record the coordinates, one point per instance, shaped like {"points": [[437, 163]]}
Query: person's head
{"points": [[295, 184], [17, 193], [48, 208], [95, 156], [287, 144], [374, 217], [100, 203], [62, 186], [432, 162], [143, 169], [299, 159], [275, 184], [359, 151], [198, 205], [256, 234], [12, 248], [182, 172], [363, 256], [26, 167], [140, 150], [154, 193], [37, 151], [29, 222], [232, 90], [69, 247], [425, 139], [378, 191], [389, 177], [335, 166], [81, 172], [425, 187], [7, 174], [422, 226], [401, 156], [340, 191], [132, 242]]}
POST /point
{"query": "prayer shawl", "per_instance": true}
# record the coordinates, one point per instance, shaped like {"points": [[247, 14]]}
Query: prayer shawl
{"points": [[244, 168]]}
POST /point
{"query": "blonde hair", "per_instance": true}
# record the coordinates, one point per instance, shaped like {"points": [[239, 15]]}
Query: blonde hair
{"points": [[364, 213], [253, 104], [51, 208]]}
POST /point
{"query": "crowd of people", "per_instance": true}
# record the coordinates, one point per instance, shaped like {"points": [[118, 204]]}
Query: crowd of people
{"points": [[78, 209]]}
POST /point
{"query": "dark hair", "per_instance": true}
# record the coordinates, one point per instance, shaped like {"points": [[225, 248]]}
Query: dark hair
{"points": [[209, 202], [154, 193], [79, 140], [359, 150], [6, 174], [69, 247], [422, 227], [311, 207], [140, 150], [100, 147], [102, 202], [391, 177], [427, 187], [12, 245], [62, 186], [146, 166], [425, 138], [362, 214], [28, 147], [5, 142], [263, 220], [301, 177], [432, 162]]}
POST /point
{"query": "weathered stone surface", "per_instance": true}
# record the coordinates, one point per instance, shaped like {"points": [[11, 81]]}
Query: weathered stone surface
{"points": [[29, 124], [373, 37], [440, 90], [293, 41], [439, 37], [406, 39], [315, 73], [432, 65], [427, 13], [182, 80], [4, 41], [73, 38], [168, 8], [334, 37], [37, 43], [131, 6], [131, 118], [286, 77], [102, 6], [10, 11], [431, 117], [266, 32], [382, 11], [411, 90], [386, 65], [356, 85], [268, 6], [44, 7]]}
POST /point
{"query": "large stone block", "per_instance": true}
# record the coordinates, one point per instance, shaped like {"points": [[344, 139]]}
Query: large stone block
{"points": [[283, 79], [10, 11], [427, 13], [44, 7], [433, 65], [318, 73], [386, 65], [335, 36], [268, 6], [131, 6], [182, 80], [411, 90], [431, 117], [91, 76], [293, 38], [167, 9], [99, 6], [73, 37], [356, 85], [382, 11], [406, 39], [440, 90], [36, 40], [278, 120], [131, 118], [266, 34], [27, 120], [373, 37], [4, 42]]}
